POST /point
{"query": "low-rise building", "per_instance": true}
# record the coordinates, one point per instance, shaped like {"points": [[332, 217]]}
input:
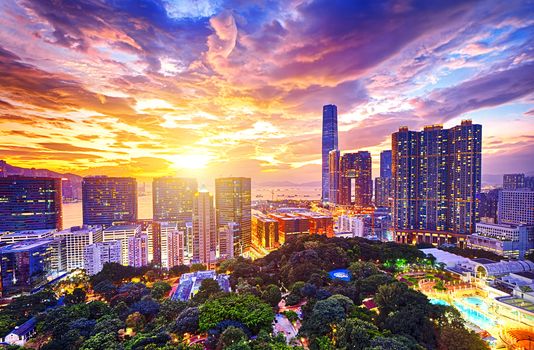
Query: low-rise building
{"points": [[510, 241], [75, 240], [19, 236], [97, 254], [121, 233]]}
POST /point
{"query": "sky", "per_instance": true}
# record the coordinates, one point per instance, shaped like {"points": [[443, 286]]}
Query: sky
{"points": [[200, 88]]}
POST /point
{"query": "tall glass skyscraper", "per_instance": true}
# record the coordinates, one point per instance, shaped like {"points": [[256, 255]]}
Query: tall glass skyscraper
{"points": [[334, 180], [232, 203], [109, 199], [30, 203], [329, 143], [172, 199], [436, 181], [385, 163]]}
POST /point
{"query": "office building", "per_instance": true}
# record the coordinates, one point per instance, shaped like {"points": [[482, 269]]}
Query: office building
{"points": [[510, 241], [175, 248], [30, 203], [513, 182], [98, 254], [516, 207], [488, 205], [329, 143], [437, 175], [75, 240], [351, 224], [334, 178], [383, 183], [232, 203], [28, 235], [138, 250], [204, 228], [121, 233], [172, 198], [25, 266], [265, 232], [226, 240], [385, 163], [109, 200]]}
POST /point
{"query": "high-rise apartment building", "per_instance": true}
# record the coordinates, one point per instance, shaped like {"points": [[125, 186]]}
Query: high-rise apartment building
{"points": [[516, 207], [436, 182], [121, 233], [233, 204], [138, 250], [76, 239], [172, 198], [513, 181], [175, 248], [98, 254], [108, 200], [204, 228], [355, 179], [30, 203], [226, 240], [329, 143], [334, 178], [488, 205]]}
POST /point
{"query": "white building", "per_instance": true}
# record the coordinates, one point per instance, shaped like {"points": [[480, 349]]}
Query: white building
{"points": [[97, 254], [121, 233], [516, 207], [511, 241], [19, 236], [204, 232], [75, 240], [165, 229], [350, 224], [175, 248], [138, 250], [226, 240]]}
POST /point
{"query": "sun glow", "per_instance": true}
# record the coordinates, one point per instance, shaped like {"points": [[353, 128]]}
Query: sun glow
{"points": [[190, 161]]}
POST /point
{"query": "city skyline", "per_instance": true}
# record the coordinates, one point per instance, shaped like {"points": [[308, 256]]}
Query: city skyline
{"points": [[103, 89]]}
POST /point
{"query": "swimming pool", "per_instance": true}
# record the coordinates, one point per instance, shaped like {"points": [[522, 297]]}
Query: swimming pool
{"points": [[437, 301], [471, 314]]}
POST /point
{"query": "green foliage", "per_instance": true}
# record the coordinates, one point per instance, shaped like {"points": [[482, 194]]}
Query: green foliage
{"points": [[197, 267], [247, 308], [291, 315], [160, 290], [208, 288], [231, 336], [102, 341], [272, 295]]}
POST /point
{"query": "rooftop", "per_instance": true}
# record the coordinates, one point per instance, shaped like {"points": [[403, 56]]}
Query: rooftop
{"points": [[24, 245], [27, 232], [122, 227]]}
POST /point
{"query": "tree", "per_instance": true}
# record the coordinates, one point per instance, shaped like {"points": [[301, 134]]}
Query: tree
{"points": [[197, 267], [187, 321], [247, 308], [108, 324], [102, 341], [208, 287], [178, 270], [363, 269], [136, 321], [147, 307], [324, 314], [231, 336], [272, 295], [76, 297], [355, 334], [160, 289]]}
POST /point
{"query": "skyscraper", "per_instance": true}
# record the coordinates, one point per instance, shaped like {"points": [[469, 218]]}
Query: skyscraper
{"points": [[109, 199], [232, 202], [175, 248], [363, 179], [138, 250], [172, 198], [76, 239], [30, 203], [385, 163], [97, 254], [436, 182], [204, 228], [513, 181], [334, 178], [516, 207], [329, 143]]}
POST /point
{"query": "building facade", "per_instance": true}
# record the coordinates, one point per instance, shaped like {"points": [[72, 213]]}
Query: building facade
{"points": [[355, 179], [121, 233], [109, 200], [25, 266], [30, 203], [175, 248], [76, 239], [516, 207], [383, 183], [98, 254], [334, 177], [172, 198], [226, 240], [266, 234], [513, 182], [385, 163], [436, 181], [329, 143], [138, 250], [233, 204], [510, 241], [204, 228]]}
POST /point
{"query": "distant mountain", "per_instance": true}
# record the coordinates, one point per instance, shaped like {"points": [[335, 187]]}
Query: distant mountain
{"points": [[288, 184], [72, 184]]}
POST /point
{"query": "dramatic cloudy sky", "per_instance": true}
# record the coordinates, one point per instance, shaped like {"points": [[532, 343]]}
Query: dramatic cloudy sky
{"points": [[209, 88]]}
